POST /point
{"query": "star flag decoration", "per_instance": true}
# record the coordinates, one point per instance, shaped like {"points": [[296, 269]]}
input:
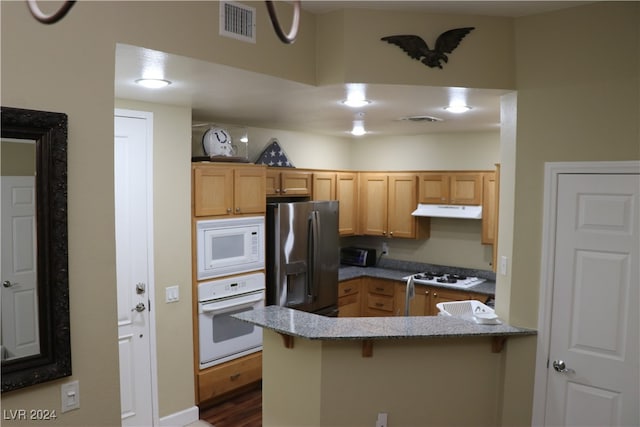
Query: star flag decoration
{"points": [[274, 155]]}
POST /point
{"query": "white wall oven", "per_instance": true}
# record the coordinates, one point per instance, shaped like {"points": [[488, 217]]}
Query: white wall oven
{"points": [[229, 246], [222, 337]]}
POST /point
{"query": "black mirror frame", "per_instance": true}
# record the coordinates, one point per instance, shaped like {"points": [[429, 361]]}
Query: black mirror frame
{"points": [[49, 130]]}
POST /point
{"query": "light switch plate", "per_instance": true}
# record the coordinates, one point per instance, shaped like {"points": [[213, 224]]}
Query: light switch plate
{"points": [[172, 294], [70, 396], [503, 265]]}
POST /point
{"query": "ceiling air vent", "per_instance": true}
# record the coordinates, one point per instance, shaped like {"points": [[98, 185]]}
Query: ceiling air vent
{"points": [[237, 21], [421, 119]]}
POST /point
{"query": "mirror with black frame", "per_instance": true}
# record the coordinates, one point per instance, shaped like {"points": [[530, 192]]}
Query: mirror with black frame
{"points": [[35, 333]]}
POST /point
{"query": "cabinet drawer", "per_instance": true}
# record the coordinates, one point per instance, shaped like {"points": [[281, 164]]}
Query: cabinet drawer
{"points": [[381, 287], [380, 302], [348, 288], [221, 379]]}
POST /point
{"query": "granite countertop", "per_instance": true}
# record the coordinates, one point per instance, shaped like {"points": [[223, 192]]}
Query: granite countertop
{"points": [[398, 272], [312, 326]]}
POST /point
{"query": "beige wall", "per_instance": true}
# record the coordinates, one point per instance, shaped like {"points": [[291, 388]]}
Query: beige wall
{"points": [[350, 49], [69, 67], [17, 159], [571, 105], [439, 382]]}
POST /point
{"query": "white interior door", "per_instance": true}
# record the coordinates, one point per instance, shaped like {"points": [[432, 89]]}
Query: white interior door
{"points": [[593, 376], [133, 187], [20, 330]]}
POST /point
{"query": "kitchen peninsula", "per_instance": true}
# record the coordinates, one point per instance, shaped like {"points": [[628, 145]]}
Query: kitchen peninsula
{"points": [[320, 371]]}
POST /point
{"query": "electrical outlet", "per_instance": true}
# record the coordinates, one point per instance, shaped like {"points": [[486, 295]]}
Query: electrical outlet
{"points": [[385, 248], [382, 420], [70, 396]]}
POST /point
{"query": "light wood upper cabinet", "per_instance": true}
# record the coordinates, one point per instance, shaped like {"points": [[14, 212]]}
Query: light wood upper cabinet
{"points": [[489, 208], [224, 189], [434, 188], [386, 203], [347, 195], [288, 182], [373, 204], [343, 187], [402, 200], [454, 188], [324, 186]]}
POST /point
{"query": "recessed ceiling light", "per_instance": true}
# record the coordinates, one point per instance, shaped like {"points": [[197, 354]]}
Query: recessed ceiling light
{"points": [[457, 108], [358, 128], [356, 103], [153, 83]]}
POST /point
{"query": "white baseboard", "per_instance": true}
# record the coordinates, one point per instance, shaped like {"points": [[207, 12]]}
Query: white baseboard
{"points": [[182, 418]]}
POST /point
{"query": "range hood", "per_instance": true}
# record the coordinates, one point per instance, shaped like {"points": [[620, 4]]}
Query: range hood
{"points": [[449, 211]]}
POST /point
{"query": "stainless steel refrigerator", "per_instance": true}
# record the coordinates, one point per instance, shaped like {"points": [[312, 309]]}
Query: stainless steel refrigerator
{"points": [[303, 256]]}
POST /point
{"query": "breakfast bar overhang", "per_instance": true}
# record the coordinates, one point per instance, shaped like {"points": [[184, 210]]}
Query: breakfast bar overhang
{"points": [[426, 370]]}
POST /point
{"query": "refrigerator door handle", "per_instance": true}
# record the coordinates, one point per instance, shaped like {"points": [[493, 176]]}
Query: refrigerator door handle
{"points": [[313, 241]]}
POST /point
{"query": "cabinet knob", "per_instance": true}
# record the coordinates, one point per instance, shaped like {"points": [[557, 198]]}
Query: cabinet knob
{"points": [[237, 209], [284, 191], [435, 294], [277, 190], [391, 233], [228, 210]]}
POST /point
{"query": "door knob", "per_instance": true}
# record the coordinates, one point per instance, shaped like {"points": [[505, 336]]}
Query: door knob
{"points": [[139, 308], [8, 284], [561, 367]]}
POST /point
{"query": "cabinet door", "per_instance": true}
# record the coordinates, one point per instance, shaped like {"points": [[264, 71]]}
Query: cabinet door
{"points": [[349, 298], [466, 189], [403, 190], [439, 295], [324, 186], [489, 208], [224, 378], [295, 183], [347, 195], [272, 185], [212, 190], [433, 188], [418, 303], [373, 204], [249, 190]]}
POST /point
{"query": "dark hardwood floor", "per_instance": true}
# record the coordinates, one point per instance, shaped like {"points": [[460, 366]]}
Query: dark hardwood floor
{"points": [[243, 410]]}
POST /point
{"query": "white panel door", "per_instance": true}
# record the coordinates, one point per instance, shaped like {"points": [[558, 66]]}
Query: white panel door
{"points": [[593, 376], [133, 261], [20, 330]]}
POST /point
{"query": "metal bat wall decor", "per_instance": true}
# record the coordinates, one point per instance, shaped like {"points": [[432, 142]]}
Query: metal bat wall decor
{"points": [[418, 49]]}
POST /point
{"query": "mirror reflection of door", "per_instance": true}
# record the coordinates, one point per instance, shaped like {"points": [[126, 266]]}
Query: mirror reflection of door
{"points": [[19, 291]]}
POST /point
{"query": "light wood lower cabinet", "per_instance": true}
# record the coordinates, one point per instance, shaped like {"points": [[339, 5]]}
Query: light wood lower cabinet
{"points": [[379, 297], [350, 298], [426, 298], [226, 377], [370, 296]]}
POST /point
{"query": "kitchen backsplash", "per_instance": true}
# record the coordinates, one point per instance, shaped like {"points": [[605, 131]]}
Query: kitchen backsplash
{"points": [[396, 264]]}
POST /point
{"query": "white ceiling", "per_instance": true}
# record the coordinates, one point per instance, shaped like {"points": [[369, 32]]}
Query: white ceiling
{"points": [[227, 95]]}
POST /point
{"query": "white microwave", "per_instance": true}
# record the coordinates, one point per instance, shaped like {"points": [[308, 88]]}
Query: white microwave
{"points": [[229, 246]]}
